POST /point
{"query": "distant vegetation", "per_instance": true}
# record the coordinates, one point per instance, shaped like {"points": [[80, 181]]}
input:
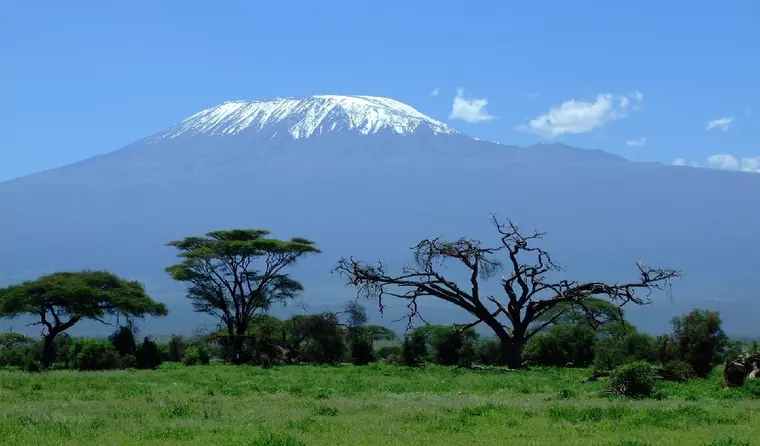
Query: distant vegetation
{"points": [[238, 275]]}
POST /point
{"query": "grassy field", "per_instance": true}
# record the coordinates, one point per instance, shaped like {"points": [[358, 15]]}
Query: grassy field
{"points": [[373, 405]]}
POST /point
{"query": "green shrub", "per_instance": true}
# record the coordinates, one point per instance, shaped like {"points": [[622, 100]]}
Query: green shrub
{"points": [[128, 362], [634, 380], [361, 350], [123, 340], [196, 355], [89, 354], [678, 370], [489, 352], [148, 355], [176, 349], [699, 340], [33, 366], [388, 352], [414, 349], [567, 343]]}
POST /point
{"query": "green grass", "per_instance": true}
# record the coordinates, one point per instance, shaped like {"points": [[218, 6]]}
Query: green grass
{"points": [[373, 405]]}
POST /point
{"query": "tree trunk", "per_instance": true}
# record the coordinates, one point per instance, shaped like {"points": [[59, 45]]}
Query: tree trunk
{"points": [[48, 350], [511, 352]]}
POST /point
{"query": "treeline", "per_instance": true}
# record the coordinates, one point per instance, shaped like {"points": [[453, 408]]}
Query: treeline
{"points": [[238, 275], [696, 344]]}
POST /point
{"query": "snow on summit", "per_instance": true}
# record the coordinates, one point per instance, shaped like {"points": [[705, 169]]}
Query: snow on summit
{"points": [[306, 117]]}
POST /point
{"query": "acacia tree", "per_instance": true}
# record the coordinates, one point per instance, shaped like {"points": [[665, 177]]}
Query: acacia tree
{"points": [[62, 299], [234, 274], [529, 294]]}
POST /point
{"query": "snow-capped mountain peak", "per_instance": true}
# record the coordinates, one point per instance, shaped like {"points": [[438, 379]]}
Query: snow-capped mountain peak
{"points": [[306, 117]]}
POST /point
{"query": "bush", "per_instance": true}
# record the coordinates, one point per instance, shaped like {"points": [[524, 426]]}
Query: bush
{"points": [[564, 344], [123, 341], [678, 370], [33, 366], [196, 356], [89, 354], [388, 352], [128, 362], [615, 351], [361, 350], [634, 380], [453, 347], [176, 349], [414, 349], [148, 355], [700, 340], [489, 352]]}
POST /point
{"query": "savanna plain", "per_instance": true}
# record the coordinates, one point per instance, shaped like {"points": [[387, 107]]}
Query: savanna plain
{"points": [[378, 404]]}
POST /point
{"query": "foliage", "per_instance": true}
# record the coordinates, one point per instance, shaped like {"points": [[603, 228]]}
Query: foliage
{"points": [[678, 370], [233, 275], [148, 355], [620, 344], [488, 351], [361, 349], [565, 344], [89, 354], [635, 380], [128, 361], [17, 350], [196, 355], [699, 339], [175, 348], [414, 348], [452, 345], [388, 353], [62, 299], [123, 340]]}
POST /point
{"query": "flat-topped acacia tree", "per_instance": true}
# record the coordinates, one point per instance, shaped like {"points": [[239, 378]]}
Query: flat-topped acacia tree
{"points": [[531, 301], [234, 274], [60, 300]]}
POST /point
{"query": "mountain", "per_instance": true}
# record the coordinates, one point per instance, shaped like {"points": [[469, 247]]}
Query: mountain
{"points": [[369, 177]]}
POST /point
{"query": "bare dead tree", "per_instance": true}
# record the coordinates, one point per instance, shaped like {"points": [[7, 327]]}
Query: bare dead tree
{"points": [[514, 318]]}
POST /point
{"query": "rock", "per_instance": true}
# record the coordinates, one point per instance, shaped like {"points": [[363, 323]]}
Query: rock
{"points": [[734, 374]]}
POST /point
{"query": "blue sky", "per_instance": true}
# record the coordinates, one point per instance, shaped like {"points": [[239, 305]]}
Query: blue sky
{"points": [[86, 77]]}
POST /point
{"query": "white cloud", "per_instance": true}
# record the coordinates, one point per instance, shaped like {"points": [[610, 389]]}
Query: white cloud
{"points": [[435, 91], [469, 110], [729, 162], [581, 117], [679, 162], [721, 123], [636, 142]]}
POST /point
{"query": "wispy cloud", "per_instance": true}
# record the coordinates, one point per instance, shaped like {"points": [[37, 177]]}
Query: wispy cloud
{"points": [[721, 123], [639, 142], [469, 110], [730, 162], [575, 116], [435, 91], [679, 162]]}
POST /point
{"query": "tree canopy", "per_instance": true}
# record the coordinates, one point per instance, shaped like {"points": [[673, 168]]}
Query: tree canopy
{"points": [[530, 296], [234, 274], [62, 299]]}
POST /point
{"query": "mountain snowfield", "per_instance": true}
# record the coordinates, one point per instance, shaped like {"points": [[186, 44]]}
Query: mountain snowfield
{"points": [[306, 117], [370, 177]]}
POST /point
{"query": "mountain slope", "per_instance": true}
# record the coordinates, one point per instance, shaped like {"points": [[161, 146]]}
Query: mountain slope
{"points": [[373, 194]]}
